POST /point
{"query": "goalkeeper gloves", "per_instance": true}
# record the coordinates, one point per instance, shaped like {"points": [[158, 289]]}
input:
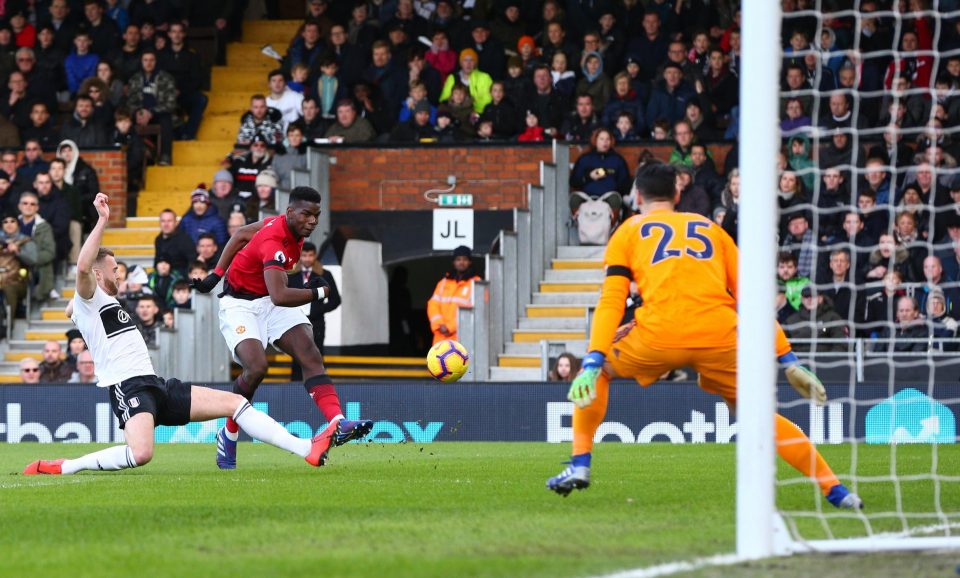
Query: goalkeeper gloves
{"points": [[583, 390], [208, 283], [802, 379], [320, 287]]}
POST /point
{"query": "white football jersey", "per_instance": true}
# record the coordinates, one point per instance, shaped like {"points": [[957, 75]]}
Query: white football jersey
{"points": [[113, 338]]}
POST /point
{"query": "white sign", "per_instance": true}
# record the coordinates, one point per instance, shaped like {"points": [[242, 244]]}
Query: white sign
{"points": [[452, 228]]}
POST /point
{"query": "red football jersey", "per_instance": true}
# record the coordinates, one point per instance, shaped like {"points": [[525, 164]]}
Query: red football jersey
{"points": [[272, 247]]}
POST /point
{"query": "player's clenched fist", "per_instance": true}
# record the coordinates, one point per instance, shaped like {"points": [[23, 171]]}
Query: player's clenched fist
{"points": [[102, 206]]}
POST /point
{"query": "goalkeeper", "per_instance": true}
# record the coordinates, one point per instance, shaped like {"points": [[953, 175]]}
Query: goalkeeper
{"points": [[685, 268]]}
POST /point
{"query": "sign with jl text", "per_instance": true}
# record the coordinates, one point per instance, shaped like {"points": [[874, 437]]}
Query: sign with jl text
{"points": [[452, 228]]}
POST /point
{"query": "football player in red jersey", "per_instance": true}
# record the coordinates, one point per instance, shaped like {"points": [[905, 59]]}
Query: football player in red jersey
{"points": [[258, 308]]}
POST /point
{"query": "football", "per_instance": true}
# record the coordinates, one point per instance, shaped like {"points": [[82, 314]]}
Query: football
{"points": [[447, 361]]}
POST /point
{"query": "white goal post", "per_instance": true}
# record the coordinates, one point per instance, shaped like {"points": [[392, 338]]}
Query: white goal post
{"points": [[761, 531]]}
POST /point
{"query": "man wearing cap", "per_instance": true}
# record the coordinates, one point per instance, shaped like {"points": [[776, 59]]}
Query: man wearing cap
{"points": [[246, 166], [477, 81], [75, 345], [266, 186], [174, 243], [816, 319], [491, 58], [203, 218], [454, 290], [418, 128], [223, 196], [800, 241]]}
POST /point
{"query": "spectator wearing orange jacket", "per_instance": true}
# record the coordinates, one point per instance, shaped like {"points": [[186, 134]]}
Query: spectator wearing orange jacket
{"points": [[454, 290]]}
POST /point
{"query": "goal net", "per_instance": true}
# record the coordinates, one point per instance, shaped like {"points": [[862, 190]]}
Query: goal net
{"points": [[867, 263]]}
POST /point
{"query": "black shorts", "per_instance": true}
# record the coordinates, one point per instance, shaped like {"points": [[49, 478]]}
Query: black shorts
{"points": [[167, 401]]}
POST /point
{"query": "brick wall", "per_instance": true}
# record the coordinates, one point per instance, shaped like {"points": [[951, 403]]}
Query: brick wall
{"points": [[380, 179], [111, 167]]}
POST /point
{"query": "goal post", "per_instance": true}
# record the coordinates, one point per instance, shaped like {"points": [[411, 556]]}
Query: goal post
{"points": [[757, 370], [895, 518]]}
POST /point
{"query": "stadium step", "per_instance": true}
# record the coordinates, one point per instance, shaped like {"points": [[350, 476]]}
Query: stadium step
{"points": [[53, 314], [580, 252], [277, 32], [553, 323], [576, 346], [532, 336], [201, 153], [228, 103], [519, 361], [219, 127], [573, 275], [149, 206], [566, 264], [249, 80], [554, 311], [582, 299], [181, 178], [518, 374], [248, 54], [554, 287], [130, 236]]}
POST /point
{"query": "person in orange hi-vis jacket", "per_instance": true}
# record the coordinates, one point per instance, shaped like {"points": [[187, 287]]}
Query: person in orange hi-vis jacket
{"points": [[454, 290], [685, 268]]}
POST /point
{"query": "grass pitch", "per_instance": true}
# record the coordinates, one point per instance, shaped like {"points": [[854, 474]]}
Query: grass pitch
{"points": [[443, 509]]}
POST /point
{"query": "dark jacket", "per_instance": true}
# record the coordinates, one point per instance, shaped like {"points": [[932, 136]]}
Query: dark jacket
{"points": [[317, 309], [630, 103], [617, 177], [56, 211], [505, 117], [671, 106], [87, 135], [824, 323], [178, 248], [209, 222]]}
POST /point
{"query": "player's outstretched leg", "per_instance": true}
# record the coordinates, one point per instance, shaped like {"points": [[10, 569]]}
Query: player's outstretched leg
{"points": [[138, 451], [576, 476], [253, 359], [207, 404], [298, 343], [795, 448]]}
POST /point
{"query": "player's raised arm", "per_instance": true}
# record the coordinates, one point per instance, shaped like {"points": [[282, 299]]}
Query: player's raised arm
{"points": [[86, 281], [238, 241]]}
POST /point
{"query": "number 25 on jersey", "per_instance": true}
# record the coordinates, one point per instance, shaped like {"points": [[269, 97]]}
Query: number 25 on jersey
{"points": [[695, 243]]}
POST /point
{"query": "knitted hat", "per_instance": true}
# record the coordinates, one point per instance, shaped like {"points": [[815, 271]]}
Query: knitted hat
{"points": [[526, 40], [200, 194], [268, 178], [468, 52], [73, 334], [463, 251], [422, 106], [223, 175]]}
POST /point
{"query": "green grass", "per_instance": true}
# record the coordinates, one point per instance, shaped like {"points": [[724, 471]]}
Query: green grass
{"points": [[445, 509]]}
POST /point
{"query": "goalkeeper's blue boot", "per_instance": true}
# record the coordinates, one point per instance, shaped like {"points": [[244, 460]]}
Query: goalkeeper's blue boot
{"points": [[352, 429], [844, 499], [226, 451], [574, 477]]}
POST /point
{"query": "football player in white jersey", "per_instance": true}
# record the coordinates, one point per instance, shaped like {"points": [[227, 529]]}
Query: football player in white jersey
{"points": [[140, 399]]}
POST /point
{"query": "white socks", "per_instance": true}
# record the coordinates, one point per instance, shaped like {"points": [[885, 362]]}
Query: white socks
{"points": [[261, 426], [114, 458]]}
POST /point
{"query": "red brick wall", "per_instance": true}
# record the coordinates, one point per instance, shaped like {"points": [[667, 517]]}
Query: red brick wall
{"points": [[111, 167], [383, 179]]}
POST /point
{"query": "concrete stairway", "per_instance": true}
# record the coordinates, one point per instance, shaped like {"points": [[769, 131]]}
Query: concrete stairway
{"points": [[557, 313]]}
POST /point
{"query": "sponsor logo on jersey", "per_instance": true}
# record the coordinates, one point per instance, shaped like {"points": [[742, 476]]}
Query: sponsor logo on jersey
{"points": [[123, 316]]}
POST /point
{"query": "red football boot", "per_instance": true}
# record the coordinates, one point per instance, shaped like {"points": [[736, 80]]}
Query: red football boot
{"points": [[51, 467], [321, 444]]}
